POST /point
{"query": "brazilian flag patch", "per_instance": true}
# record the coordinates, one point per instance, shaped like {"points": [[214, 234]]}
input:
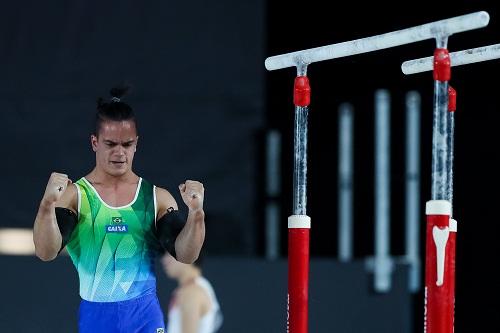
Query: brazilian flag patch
{"points": [[117, 225]]}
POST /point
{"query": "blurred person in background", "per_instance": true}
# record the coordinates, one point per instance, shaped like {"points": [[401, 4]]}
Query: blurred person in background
{"points": [[193, 306]]}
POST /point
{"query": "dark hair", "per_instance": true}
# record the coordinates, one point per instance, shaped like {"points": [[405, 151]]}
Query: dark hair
{"points": [[114, 109]]}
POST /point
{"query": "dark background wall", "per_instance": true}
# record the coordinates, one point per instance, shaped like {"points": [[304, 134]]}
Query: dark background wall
{"points": [[204, 100]]}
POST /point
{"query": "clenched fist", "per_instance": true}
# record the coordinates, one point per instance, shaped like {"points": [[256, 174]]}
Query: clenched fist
{"points": [[57, 184], [192, 193]]}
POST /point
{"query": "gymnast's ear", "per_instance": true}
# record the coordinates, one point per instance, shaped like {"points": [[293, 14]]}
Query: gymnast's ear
{"points": [[93, 142]]}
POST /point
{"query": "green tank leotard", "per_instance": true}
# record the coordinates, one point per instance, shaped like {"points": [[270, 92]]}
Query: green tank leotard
{"points": [[114, 248]]}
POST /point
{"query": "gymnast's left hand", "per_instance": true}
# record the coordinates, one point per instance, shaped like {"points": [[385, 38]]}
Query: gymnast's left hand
{"points": [[192, 193]]}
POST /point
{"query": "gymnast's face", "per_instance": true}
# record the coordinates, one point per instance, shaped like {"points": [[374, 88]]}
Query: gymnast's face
{"points": [[115, 146]]}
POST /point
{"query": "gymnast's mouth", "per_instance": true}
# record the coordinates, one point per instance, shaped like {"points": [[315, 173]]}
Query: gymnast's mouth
{"points": [[118, 162]]}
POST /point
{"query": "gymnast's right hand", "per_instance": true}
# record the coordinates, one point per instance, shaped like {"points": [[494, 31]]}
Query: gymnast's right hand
{"points": [[57, 184]]}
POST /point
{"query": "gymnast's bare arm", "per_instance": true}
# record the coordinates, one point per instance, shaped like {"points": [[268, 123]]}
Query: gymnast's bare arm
{"points": [[190, 239], [46, 234]]}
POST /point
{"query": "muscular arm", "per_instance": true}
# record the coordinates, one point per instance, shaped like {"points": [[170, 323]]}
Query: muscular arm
{"points": [[190, 240], [46, 234]]}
